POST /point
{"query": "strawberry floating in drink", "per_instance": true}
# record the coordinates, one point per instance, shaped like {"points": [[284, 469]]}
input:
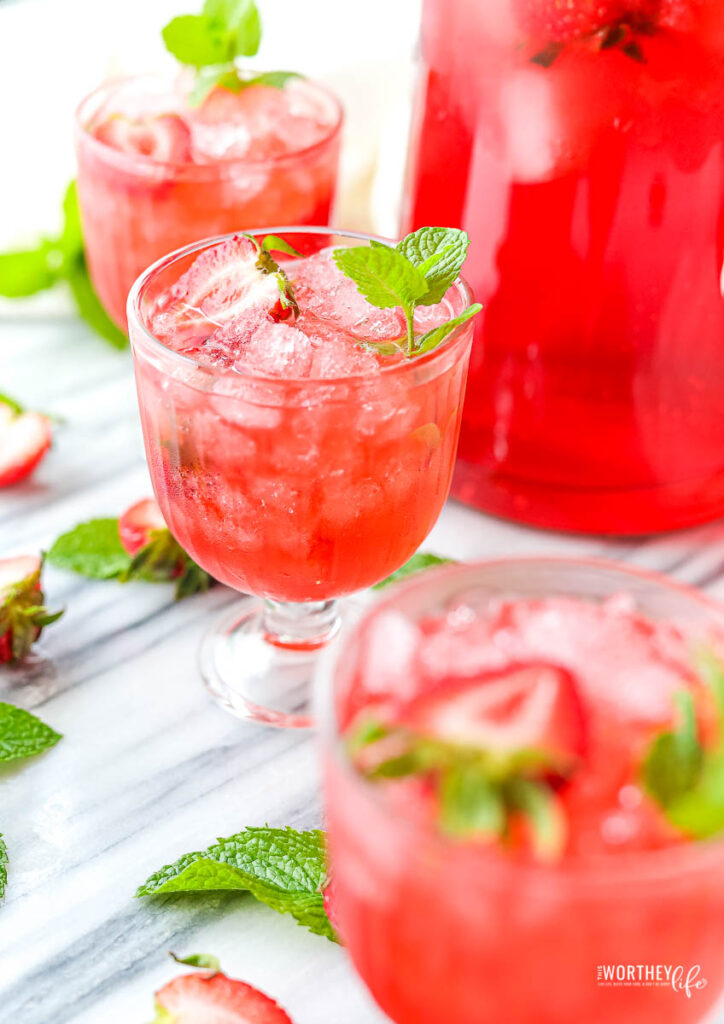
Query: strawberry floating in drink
{"points": [[25, 437], [210, 997], [23, 615], [533, 779]]}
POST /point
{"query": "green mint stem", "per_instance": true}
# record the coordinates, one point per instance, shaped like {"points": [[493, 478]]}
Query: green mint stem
{"points": [[410, 318]]}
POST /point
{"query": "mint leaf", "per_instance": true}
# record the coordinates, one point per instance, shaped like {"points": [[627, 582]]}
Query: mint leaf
{"points": [[28, 271], [281, 867], [433, 338], [71, 238], [208, 78], [194, 40], [22, 734], [418, 563], [674, 762], [92, 549], [439, 253], [89, 306], [276, 79], [382, 275], [203, 960], [470, 804], [240, 22], [3, 866]]}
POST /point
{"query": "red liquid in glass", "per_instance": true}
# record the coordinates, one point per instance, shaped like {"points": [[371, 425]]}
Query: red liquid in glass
{"points": [[593, 191]]}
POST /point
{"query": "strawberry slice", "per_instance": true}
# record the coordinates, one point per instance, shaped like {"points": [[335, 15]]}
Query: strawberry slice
{"points": [[165, 138], [24, 439], [215, 999], [225, 281], [22, 613], [524, 707], [138, 523]]}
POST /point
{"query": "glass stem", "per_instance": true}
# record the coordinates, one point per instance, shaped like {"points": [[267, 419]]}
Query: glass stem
{"points": [[300, 626]]}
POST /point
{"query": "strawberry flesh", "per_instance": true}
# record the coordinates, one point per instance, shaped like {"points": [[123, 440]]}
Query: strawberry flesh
{"points": [[221, 283], [164, 138], [137, 523], [199, 999], [24, 440], [562, 21], [525, 707]]}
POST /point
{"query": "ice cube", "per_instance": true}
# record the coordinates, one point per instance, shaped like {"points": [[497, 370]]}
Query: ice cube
{"points": [[276, 350], [322, 289], [389, 646], [260, 122]]}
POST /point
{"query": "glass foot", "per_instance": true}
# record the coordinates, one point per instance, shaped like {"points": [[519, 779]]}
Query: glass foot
{"points": [[258, 661]]}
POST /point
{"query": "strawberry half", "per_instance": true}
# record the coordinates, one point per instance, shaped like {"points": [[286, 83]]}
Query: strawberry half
{"points": [[215, 999], [22, 612], [165, 138], [525, 707], [24, 439], [138, 523]]}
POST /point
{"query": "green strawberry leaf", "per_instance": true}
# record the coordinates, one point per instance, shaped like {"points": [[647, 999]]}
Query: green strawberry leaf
{"points": [[89, 305], [162, 560], [537, 802], [418, 563], [22, 734], [3, 866], [439, 253], [273, 243], [12, 404], [204, 960], [281, 867], [92, 549], [437, 335]]}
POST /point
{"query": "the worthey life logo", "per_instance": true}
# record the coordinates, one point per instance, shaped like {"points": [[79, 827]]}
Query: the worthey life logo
{"points": [[674, 976]]}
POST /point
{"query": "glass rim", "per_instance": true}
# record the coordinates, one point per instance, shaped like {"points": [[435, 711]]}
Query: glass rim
{"points": [[135, 318], [614, 868], [132, 161]]}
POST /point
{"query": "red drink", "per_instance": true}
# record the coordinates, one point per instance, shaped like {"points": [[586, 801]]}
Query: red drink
{"points": [[291, 457], [155, 173], [522, 656], [580, 145]]}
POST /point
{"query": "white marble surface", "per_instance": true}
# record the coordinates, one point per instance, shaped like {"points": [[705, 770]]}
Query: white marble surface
{"points": [[149, 768]]}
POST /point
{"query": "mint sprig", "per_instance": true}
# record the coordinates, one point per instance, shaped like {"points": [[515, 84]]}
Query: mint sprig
{"points": [[94, 550], [420, 561], [22, 734], [478, 791], [685, 778], [281, 867], [212, 42], [417, 272], [55, 259]]}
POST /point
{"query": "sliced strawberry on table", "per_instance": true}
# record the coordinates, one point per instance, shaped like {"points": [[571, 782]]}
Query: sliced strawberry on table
{"points": [[138, 523], [214, 998], [165, 138], [24, 439], [524, 707], [22, 612]]}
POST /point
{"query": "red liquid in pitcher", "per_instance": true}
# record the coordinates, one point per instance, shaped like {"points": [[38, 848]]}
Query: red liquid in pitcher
{"points": [[583, 151]]}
